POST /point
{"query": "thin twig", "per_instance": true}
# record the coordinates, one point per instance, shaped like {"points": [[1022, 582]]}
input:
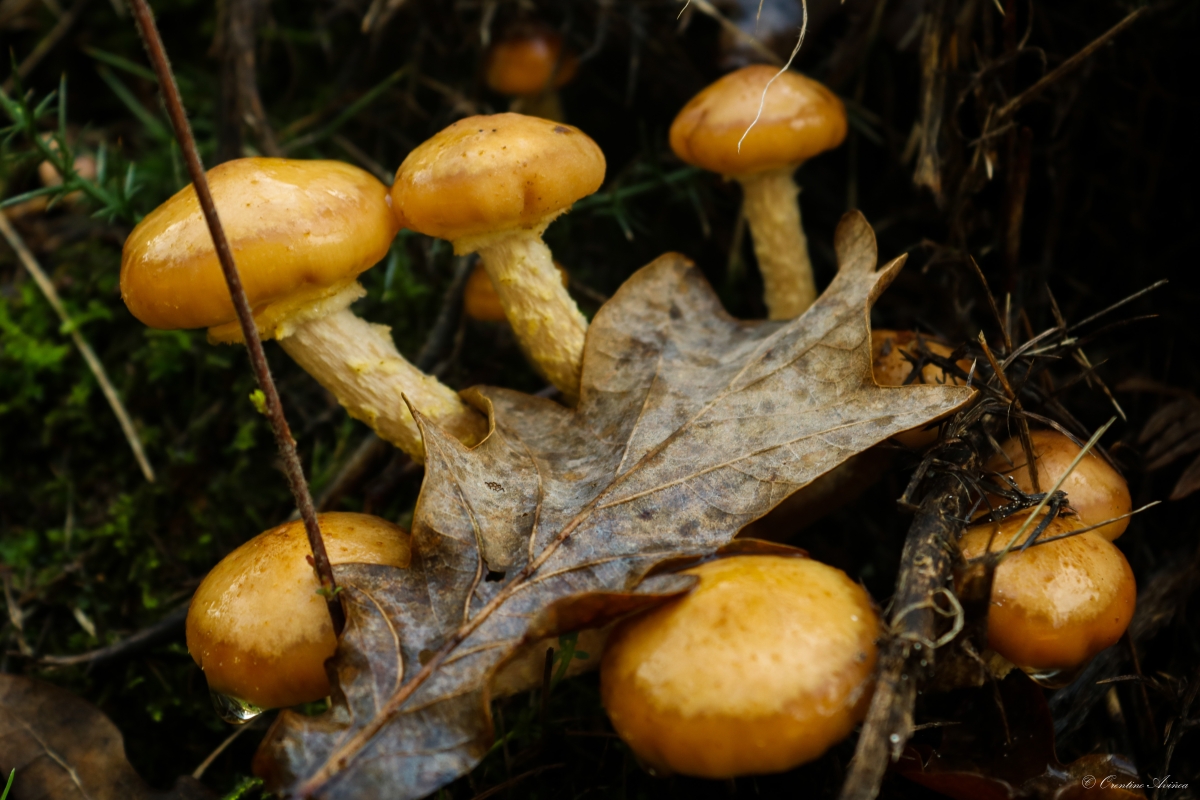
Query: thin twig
{"points": [[199, 771], [1000, 321], [51, 294], [907, 658], [258, 360], [164, 629], [1118, 304], [1057, 485], [1022, 423], [1077, 531], [1067, 66]]}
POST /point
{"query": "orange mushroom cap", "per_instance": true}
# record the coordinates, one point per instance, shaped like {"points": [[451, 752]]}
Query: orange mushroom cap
{"points": [[1094, 489], [800, 118], [891, 368], [486, 174], [528, 59], [295, 227], [763, 666], [257, 626], [480, 300], [1055, 605]]}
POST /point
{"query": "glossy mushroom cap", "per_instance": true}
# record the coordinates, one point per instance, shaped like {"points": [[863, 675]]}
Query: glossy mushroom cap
{"points": [[1057, 604], [487, 174], [297, 228], [257, 626], [1094, 489], [763, 666], [800, 118], [528, 59]]}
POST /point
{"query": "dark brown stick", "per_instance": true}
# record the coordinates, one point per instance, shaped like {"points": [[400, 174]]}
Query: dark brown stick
{"points": [[258, 360], [925, 568]]}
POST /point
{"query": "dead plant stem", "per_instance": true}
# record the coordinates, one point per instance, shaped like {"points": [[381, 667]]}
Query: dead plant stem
{"points": [[925, 566], [258, 360], [1022, 423]]}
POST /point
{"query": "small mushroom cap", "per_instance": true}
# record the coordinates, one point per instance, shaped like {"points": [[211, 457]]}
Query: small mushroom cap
{"points": [[800, 118], [891, 368], [257, 626], [1094, 489], [1057, 604], [529, 59], [487, 174], [294, 226], [763, 666], [480, 300]]}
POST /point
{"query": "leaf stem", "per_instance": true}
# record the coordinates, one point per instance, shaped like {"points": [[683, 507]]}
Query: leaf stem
{"points": [[258, 361]]}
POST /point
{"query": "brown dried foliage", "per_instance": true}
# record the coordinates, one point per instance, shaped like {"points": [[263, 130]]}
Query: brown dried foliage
{"points": [[691, 424]]}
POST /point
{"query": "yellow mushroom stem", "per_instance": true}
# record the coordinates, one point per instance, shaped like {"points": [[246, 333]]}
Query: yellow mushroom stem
{"points": [[546, 321], [358, 363], [773, 211]]}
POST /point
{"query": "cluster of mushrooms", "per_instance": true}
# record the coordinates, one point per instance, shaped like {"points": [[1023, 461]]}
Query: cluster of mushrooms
{"points": [[769, 661]]}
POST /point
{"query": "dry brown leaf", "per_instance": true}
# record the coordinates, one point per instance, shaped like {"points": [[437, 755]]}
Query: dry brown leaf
{"points": [[1171, 433], [63, 747], [691, 424]]}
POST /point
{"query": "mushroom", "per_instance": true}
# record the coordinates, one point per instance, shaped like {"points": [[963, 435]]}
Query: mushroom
{"points": [[257, 625], [301, 232], [763, 666], [800, 118], [480, 300], [1095, 490], [891, 352], [528, 64], [84, 164], [1054, 605], [491, 184]]}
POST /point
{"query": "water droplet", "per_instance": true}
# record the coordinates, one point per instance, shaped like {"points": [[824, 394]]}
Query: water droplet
{"points": [[894, 738], [233, 710]]}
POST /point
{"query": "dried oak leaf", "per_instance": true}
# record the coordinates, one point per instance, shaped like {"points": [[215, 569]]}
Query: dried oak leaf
{"points": [[63, 747], [1009, 756], [690, 425], [1171, 433]]}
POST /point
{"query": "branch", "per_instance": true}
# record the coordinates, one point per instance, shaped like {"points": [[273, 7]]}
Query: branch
{"points": [[1068, 66], [258, 360], [925, 571], [162, 630]]}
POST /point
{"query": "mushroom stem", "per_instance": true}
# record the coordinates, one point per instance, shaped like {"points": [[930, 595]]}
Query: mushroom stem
{"points": [[358, 362], [773, 211], [548, 324], [545, 104]]}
